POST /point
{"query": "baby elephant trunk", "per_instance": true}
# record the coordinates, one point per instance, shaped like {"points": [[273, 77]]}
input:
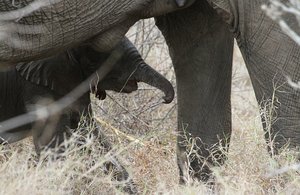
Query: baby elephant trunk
{"points": [[148, 75]]}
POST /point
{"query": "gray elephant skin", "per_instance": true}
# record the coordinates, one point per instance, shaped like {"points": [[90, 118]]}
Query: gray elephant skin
{"points": [[67, 23], [200, 40], [23, 87], [29, 84]]}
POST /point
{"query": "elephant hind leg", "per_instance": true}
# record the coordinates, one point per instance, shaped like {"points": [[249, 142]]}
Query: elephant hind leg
{"points": [[271, 56]]}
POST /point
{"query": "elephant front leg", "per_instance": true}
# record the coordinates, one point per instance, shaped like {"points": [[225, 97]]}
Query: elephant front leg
{"points": [[201, 48], [204, 109]]}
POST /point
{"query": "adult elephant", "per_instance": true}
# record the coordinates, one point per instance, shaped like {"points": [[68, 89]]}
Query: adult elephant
{"points": [[66, 23], [200, 39]]}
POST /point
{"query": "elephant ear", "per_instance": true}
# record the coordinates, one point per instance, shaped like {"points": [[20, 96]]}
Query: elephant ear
{"points": [[60, 73]]}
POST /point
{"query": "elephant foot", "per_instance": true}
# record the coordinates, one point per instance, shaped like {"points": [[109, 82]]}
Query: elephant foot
{"points": [[195, 162], [112, 166], [119, 174], [199, 172]]}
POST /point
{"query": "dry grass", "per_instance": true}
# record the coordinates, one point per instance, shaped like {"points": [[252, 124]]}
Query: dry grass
{"points": [[142, 131]]}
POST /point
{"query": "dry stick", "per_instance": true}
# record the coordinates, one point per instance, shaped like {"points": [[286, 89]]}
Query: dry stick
{"points": [[149, 107], [168, 114], [145, 38], [294, 167], [54, 108], [124, 126], [118, 132], [128, 111], [138, 30]]}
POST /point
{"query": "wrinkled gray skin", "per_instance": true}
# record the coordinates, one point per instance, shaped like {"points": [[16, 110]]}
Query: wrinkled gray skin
{"points": [[71, 22], [202, 58], [25, 87], [56, 76], [200, 39]]}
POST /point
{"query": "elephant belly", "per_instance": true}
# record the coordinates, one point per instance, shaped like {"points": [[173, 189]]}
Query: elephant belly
{"points": [[64, 25]]}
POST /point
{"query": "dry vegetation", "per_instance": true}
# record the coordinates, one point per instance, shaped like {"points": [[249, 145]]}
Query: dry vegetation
{"points": [[143, 134]]}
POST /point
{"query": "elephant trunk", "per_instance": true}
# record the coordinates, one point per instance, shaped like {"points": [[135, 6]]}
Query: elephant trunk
{"points": [[148, 75], [143, 72]]}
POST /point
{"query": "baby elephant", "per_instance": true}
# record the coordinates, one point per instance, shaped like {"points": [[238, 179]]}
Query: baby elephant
{"points": [[29, 85], [37, 83]]}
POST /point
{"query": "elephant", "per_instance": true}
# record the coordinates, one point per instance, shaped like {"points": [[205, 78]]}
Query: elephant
{"points": [[23, 87], [200, 39], [202, 59], [28, 84], [28, 33]]}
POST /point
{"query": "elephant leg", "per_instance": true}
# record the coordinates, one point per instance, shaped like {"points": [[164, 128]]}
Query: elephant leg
{"points": [[12, 105], [54, 130], [112, 166], [50, 133], [201, 49], [271, 56], [15, 135]]}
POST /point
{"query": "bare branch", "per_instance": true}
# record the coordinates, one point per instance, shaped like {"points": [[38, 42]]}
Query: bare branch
{"points": [[295, 167]]}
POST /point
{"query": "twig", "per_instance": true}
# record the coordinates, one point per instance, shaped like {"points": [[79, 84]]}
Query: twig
{"points": [[295, 167], [118, 132], [134, 116]]}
